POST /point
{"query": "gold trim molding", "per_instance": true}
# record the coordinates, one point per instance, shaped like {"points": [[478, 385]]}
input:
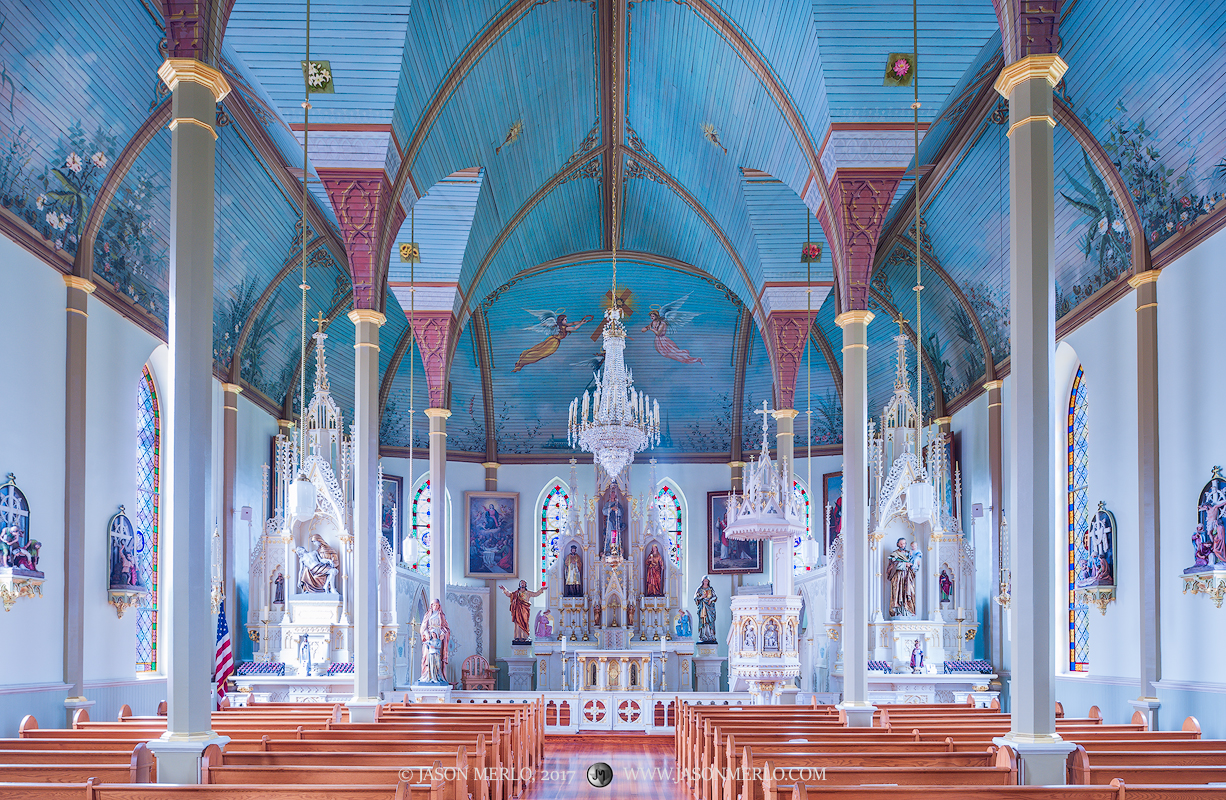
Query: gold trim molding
{"points": [[1140, 279], [74, 282], [990, 385], [174, 70], [1040, 65], [861, 315], [1050, 120], [788, 413], [367, 315], [174, 123], [438, 412], [490, 464], [233, 388]]}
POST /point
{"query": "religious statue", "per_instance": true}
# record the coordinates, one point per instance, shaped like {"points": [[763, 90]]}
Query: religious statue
{"points": [[544, 624], [521, 604], [318, 567], [750, 639], [653, 573], [629, 615], [435, 637], [432, 659], [704, 601], [1209, 540], [572, 574], [917, 658], [683, 625], [614, 525], [901, 574], [278, 588], [304, 653], [16, 554], [770, 636], [596, 615], [947, 585]]}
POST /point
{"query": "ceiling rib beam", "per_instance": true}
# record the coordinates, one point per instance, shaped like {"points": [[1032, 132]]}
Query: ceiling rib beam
{"points": [[745, 328], [481, 343], [823, 344]]}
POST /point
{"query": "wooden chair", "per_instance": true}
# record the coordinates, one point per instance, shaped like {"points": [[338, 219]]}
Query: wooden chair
{"points": [[476, 673]]}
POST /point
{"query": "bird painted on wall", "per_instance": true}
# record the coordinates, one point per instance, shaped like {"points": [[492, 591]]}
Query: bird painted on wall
{"points": [[512, 135], [709, 131]]}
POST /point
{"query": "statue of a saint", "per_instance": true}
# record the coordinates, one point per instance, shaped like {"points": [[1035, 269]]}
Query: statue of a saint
{"points": [[278, 589], [653, 573], [318, 567], [630, 615], [917, 658], [521, 605], [572, 574], [435, 637], [544, 624], [683, 625], [901, 574], [770, 636], [596, 615], [750, 640], [947, 585], [614, 522], [704, 601], [304, 653]]}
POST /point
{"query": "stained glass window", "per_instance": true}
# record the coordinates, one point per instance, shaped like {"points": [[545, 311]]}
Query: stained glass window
{"points": [[1078, 521], [671, 520], [554, 509], [420, 527], [148, 485], [802, 494]]}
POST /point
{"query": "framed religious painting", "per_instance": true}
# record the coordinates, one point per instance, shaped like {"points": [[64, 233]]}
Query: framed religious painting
{"points": [[832, 506], [491, 534], [393, 513], [727, 556]]}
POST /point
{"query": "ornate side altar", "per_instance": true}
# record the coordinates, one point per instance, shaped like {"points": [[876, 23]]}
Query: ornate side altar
{"points": [[300, 616], [922, 612]]}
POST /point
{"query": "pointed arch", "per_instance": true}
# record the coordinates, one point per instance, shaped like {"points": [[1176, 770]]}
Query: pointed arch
{"points": [[801, 490], [674, 514], [148, 516], [553, 508], [423, 513], [1078, 462]]}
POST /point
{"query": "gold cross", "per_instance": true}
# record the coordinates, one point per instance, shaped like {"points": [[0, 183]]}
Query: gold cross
{"points": [[320, 320]]}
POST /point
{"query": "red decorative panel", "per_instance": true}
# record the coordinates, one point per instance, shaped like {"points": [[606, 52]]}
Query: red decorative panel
{"points": [[359, 197], [187, 28], [629, 711], [861, 199], [433, 331], [594, 710], [1028, 27], [786, 333]]}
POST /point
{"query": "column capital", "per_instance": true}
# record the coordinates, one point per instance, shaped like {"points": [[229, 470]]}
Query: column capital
{"points": [[488, 464], [75, 282], [285, 423], [438, 412], [1048, 66], [990, 385], [785, 413], [855, 316], [231, 388], [944, 420], [360, 315], [738, 464], [1142, 278], [174, 70]]}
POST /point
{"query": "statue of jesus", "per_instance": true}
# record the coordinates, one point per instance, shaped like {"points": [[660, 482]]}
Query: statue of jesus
{"points": [[521, 605]]}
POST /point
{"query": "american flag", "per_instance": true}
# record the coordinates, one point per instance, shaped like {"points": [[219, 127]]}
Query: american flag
{"points": [[223, 664]]}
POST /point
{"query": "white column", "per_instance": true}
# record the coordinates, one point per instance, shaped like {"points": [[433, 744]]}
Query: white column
{"points": [[785, 445], [367, 533], [229, 467], [76, 311], [439, 524], [859, 711], [1028, 84], [187, 621]]}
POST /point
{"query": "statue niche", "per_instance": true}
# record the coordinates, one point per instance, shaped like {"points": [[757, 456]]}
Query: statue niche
{"points": [[614, 511]]}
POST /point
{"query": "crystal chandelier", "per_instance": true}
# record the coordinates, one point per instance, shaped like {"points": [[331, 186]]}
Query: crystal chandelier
{"points": [[616, 421]]}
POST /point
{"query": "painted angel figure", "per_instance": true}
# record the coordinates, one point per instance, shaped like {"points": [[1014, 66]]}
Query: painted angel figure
{"points": [[671, 315], [556, 327]]}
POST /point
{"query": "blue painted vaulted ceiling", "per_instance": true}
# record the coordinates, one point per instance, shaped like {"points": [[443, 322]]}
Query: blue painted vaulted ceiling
{"points": [[528, 139]]}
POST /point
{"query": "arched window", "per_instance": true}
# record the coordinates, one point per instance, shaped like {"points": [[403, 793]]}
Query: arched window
{"points": [[555, 505], [148, 486], [419, 528], [802, 494], [1078, 521], [671, 520]]}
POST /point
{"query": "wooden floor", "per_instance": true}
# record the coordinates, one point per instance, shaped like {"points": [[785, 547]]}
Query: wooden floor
{"points": [[642, 768]]}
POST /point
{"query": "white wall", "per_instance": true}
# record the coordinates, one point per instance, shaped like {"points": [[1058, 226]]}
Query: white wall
{"points": [[34, 326]]}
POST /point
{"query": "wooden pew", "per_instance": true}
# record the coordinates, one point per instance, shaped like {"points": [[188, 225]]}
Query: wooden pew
{"points": [[93, 790], [134, 765], [1116, 791], [1147, 767]]}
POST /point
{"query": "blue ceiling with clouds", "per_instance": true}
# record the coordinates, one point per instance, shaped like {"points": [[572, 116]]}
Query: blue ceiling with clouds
{"points": [[486, 103]]}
